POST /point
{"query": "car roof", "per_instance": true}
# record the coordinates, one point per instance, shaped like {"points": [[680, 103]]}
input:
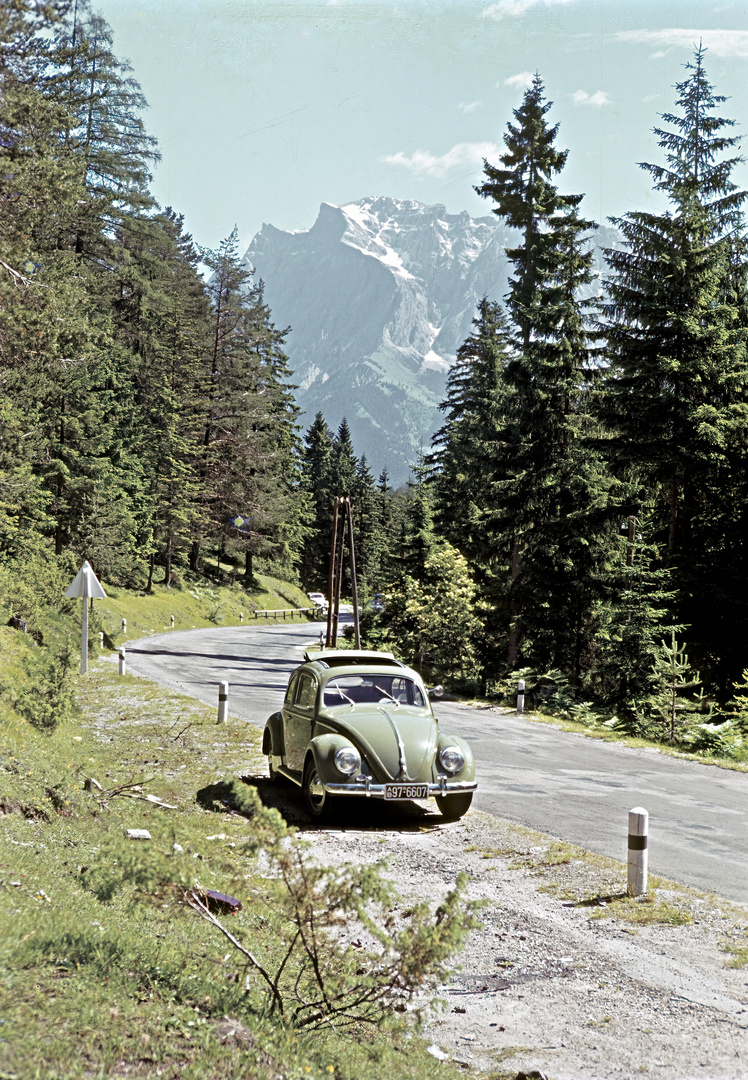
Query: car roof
{"points": [[352, 658]]}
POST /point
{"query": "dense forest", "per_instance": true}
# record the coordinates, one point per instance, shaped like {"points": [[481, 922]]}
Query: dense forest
{"points": [[581, 517]]}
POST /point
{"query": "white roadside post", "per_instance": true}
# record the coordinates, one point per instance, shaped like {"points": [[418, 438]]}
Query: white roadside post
{"points": [[223, 702], [521, 696], [638, 853], [86, 585], [171, 622], [122, 661]]}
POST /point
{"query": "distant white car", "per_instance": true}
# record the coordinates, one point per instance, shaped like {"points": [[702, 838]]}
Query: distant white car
{"points": [[318, 599]]}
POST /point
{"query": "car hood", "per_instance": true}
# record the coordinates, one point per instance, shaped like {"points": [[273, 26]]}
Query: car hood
{"points": [[378, 733]]}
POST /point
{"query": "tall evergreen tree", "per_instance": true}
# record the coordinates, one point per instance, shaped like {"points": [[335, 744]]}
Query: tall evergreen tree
{"points": [[316, 455], [677, 393], [104, 131], [548, 498], [248, 464]]}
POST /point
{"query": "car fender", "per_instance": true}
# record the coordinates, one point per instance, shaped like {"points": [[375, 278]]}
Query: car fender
{"points": [[467, 772], [323, 749], [272, 736]]}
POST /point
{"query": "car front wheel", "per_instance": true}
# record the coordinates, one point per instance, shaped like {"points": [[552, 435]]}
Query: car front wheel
{"points": [[319, 804], [453, 807]]}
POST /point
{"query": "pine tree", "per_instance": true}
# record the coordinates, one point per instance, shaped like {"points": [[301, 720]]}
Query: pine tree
{"points": [[163, 315], [103, 132], [677, 393], [316, 457], [248, 464], [547, 505], [368, 537], [638, 620], [343, 463]]}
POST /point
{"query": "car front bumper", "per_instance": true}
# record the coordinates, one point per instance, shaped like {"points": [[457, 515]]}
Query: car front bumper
{"points": [[367, 788]]}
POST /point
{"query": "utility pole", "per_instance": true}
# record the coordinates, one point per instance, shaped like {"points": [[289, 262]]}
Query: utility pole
{"points": [[332, 578], [342, 529], [354, 586]]}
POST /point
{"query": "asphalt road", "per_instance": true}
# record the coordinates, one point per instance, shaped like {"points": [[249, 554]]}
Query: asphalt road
{"points": [[569, 786]]}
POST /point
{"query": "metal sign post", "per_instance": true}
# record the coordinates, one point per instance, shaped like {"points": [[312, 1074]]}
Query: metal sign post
{"points": [[85, 584]]}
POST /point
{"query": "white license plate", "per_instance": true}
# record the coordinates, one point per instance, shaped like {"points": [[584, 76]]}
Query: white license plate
{"points": [[406, 791]]}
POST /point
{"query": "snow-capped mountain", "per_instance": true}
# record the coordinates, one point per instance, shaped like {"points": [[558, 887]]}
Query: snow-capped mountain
{"points": [[379, 295]]}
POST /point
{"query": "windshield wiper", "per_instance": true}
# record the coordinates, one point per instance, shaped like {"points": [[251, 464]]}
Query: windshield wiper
{"points": [[381, 691], [350, 702]]}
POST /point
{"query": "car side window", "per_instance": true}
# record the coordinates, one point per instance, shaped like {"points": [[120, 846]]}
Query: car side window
{"points": [[307, 692], [291, 692]]}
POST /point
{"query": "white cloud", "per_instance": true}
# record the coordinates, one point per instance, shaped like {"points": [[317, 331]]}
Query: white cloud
{"points": [[718, 42], [514, 8], [524, 79], [466, 156], [469, 107], [599, 98]]}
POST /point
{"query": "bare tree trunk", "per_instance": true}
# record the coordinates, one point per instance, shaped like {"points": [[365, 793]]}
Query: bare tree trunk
{"points": [[513, 645], [673, 516]]}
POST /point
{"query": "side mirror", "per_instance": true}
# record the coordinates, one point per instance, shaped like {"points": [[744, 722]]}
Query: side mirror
{"points": [[436, 692]]}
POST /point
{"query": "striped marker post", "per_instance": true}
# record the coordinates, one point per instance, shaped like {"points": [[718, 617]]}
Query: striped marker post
{"points": [[122, 662], [521, 696], [223, 702], [638, 853]]}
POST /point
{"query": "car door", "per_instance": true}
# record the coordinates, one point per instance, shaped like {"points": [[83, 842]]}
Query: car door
{"points": [[298, 718]]}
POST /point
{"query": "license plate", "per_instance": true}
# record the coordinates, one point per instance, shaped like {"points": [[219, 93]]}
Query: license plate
{"points": [[406, 791]]}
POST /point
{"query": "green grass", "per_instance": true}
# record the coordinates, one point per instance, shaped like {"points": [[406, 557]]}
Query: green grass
{"points": [[142, 986], [643, 910], [197, 605]]}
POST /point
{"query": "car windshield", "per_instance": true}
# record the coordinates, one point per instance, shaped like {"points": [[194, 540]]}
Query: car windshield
{"points": [[371, 689]]}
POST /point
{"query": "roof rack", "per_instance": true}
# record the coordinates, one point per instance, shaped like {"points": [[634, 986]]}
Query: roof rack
{"points": [[351, 658]]}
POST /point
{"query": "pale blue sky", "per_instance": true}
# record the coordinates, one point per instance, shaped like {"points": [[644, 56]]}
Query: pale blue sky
{"points": [[263, 110]]}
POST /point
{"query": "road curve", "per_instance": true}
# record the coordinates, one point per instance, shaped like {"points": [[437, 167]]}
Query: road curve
{"points": [[570, 786]]}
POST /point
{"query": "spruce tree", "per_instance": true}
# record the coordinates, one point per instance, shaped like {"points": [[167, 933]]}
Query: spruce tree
{"points": [[316, 456], [547, 505], [248, 462], [676, 400]]}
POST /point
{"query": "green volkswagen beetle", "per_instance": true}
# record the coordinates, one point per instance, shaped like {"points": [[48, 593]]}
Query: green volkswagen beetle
{"points": [[360, 724]]}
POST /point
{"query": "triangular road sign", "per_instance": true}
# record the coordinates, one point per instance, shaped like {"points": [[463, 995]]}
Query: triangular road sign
{"points": [[85, 583]]}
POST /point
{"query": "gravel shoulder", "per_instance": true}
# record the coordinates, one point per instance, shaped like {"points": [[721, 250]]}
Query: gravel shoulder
{"points": [[559, 980], [566, 977]]}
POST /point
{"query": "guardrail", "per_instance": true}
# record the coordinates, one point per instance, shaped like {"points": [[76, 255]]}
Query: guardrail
{"points": [[283, 613]]}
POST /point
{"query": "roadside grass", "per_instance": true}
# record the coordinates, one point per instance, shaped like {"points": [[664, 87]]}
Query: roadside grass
{"points": [[583, 879], [739, 956], [193, 606], [607, 735], [643, 910], [137, 985], [738, 950]]}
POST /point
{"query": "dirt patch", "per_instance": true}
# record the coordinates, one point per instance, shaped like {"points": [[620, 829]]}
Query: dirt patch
{"points": [[559, 979]]}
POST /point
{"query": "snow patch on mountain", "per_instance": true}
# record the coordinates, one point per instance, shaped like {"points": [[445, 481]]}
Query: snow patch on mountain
{"points": [[380, 294]]}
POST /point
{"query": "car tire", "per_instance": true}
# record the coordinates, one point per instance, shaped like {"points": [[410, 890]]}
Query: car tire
{"points": [[319, 804], [453, 807]]}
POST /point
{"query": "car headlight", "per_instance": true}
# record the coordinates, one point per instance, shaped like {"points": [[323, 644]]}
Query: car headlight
{"points": [[347, 760], [452, 758]]}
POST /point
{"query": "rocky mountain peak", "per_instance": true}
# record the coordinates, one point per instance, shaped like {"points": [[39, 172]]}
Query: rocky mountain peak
{"points": [[379, 293]]}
